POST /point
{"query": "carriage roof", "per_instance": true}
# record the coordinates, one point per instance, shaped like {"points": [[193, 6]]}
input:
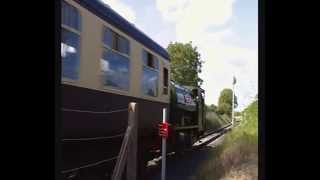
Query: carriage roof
{"points": [[106, 13]]}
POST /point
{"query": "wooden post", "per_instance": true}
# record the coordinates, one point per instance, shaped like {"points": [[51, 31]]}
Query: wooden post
{"points": [[129, 145], [132, 149]]}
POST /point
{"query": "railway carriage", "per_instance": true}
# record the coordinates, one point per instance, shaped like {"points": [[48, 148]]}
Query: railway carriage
{"points": [[106, 63]]}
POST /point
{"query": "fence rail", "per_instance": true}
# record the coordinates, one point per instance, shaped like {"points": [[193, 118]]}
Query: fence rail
{"points": [[93, 138], [94, 112], [89, 165]]}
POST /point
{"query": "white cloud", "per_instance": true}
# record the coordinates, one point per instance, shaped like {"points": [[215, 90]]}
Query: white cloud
{"points": [[104, 65], [194, 21], [196, 12], [65, 49], [219, 68], [207, 24], [172, 10], [123, 9]]}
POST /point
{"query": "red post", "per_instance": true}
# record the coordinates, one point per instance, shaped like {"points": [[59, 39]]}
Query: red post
{"points": [[163, 132]]}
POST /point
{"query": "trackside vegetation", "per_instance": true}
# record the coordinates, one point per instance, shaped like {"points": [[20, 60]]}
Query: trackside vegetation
{"points": [[237, 156]]}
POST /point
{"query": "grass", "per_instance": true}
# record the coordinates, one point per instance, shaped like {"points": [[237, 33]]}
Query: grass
{"points": [[237, 156]]}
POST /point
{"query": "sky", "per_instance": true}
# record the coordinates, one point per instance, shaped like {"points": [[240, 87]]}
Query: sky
{"points": [[224, 31]]}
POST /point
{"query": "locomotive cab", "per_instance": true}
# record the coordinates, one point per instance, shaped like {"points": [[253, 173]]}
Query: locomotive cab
{"points": [[186, 105], [187, 113]]}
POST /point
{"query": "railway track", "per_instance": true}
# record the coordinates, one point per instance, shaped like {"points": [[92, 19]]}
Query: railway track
{"points": [[211, 136], [190, 159], [204, 140]]}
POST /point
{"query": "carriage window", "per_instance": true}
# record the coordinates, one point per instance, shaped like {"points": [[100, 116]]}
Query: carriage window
{"points": [[115, 60], [149, 82], [150, 60], [115, 68], [123, 45], [145, 57], [70, 16], [70, 54], [116, 42], [165, 80], [155, 62], [150, 74], [70, 40], [107, 37]]}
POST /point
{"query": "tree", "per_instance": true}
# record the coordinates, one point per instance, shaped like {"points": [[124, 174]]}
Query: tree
{"points": [[185, 64], [225, 102]]}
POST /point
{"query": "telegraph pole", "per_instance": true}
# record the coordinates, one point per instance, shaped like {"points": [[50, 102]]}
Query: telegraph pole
{"points": [[233, 83]]}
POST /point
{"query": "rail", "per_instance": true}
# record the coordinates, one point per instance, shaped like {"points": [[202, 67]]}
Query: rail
{"points": [[222, 119], [216, 131]]}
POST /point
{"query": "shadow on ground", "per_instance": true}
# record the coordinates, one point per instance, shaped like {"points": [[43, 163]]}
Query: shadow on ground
{"points": [[182, 166]]}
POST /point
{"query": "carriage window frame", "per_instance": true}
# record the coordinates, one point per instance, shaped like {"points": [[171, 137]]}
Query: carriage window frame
{"points": [[151, 60], [115, 41], [155, 67], [106, 48], [165, 88], [76, 31]]}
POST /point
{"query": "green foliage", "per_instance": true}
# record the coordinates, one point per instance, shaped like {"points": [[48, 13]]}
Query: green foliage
{"points": [[185, 64], [248, 128], [225, 102], [250, 121], [224, 108], [239, 147]]}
